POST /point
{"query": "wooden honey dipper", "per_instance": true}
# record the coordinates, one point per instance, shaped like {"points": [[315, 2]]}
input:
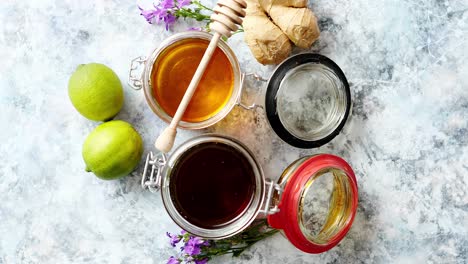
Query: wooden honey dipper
{"points": [[227, 16]]}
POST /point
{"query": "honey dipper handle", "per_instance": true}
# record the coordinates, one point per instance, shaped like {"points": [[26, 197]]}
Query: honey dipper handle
{"points": [[227, 16], [165, 141]]}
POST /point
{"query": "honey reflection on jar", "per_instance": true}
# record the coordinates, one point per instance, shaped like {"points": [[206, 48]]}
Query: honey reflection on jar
{"points": [[173, 71]]}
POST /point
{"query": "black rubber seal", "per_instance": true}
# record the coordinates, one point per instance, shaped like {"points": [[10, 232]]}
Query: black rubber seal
{"points": [[272, 90]]}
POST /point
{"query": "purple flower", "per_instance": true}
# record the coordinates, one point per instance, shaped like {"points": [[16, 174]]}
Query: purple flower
{"points": [[201, 261], [195, 241], [174, 239], [182, 3], [149, 15], [169, 19], [183, 232], [192, 246], [166, 4], [206, 243], [173, 260], [191, 249], [163, 11]]}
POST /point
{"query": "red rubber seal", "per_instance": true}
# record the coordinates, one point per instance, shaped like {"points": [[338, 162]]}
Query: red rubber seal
{"points": [[287, 218]]}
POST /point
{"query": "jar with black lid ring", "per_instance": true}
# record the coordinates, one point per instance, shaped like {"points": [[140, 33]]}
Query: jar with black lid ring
{"points": [[307, 100]]}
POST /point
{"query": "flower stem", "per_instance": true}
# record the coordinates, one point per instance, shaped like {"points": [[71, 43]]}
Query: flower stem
{"points": [[189, 13], [239, 243], [200, 5]]}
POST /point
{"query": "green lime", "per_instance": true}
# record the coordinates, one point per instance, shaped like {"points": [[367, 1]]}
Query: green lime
{"points": [[112, 150], [95, 91]]}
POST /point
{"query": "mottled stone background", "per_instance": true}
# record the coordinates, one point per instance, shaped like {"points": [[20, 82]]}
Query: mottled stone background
{"points": [[407, 62]]}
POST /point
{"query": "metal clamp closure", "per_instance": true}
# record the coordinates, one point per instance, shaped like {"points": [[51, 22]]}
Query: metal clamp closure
{"points": [[255, 76], [136, 82], [272, 188], [153, 180], [253, 105]]}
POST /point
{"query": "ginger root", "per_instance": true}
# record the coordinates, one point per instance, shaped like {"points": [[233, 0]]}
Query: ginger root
{"points": [[267, 42], [270, 25]]}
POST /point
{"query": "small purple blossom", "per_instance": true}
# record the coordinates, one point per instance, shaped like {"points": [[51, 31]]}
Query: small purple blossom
{"points": [[182, 3], [169, 19], [173, 260], [195, 241], [206, 243], [193, 246], [149, 15], [191, 249], [201, 261], [174, 239], [163, 11], [165, 4]]}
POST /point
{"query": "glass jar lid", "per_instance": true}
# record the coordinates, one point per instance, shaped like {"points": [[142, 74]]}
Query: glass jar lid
{"points": [[318, 204], [308, 100]]}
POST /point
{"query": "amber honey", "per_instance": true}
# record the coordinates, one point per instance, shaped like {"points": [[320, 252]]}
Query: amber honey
{"points": [[173, 71]]}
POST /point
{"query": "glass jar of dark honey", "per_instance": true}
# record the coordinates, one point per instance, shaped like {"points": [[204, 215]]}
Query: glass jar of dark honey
{"points": [[212, 186]]}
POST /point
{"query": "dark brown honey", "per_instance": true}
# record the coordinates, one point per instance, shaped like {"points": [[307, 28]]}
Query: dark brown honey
{"points": [[173, 71], [212, 184]]}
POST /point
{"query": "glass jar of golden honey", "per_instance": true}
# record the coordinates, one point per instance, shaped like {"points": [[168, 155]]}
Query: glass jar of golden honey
{"points": [[212, 186], [168, 70]]}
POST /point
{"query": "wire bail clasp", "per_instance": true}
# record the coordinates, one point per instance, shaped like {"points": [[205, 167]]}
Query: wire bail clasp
{"points": [[268, 207], [152, 179], [254, 104], [135, 80]]}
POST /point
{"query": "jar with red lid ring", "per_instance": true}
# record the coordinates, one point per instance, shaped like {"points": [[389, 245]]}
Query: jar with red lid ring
{"points": [[213, 187]]}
